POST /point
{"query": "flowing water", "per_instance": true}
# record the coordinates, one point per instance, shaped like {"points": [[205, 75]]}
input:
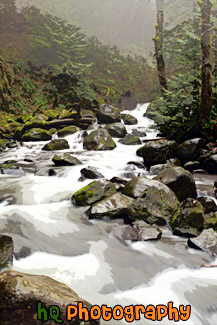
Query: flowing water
{"points": [[54, 238]]}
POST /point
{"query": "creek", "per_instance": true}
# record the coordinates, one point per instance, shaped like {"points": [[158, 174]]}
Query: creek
{"points": [[52, 237]]}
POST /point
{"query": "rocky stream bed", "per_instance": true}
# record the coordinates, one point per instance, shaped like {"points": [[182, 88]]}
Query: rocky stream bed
{"points": [[91, 240]]}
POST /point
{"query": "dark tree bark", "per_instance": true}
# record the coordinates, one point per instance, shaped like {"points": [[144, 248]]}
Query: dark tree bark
{"points": [[206, 47], [158, 41]]}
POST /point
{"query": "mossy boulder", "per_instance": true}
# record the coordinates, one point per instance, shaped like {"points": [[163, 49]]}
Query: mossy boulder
{"points": [[66, 160], [180, 181], [156, 205], [93, 192], [130, 139], [36, 135], [190, 150], [188, 221], [210, 221], [108, 114], [2, 145], [68, 114], [6, 250], [17, 133], [60, 124], [57, 144], [128, 119], [21, 292], [67, 131], [139, 132], [116, 130], [157, 152], [99, 140], [114, 206], [35, 124], [24, 118]]}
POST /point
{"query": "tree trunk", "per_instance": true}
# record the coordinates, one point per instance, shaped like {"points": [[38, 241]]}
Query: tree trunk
{"points": [[206, 47], [158, 41]]}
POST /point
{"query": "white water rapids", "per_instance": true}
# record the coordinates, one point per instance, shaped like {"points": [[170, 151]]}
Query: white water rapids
{"points": [[54, 238]]}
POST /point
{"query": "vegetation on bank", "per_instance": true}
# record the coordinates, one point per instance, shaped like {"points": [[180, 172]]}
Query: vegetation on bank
{"points": [[46, 63]]}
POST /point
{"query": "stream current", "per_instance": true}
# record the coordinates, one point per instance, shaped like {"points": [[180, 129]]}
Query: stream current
{"points": [[54, 238]]}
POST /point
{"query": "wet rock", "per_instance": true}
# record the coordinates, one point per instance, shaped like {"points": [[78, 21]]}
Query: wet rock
{"points": [[190, 150], [141, 231], [51, 172], [136, 163], [192, 165], [116, 130], [21, 292], [118, 180], [12, 145], [156, 205], [210, 221], [130, 139], [67, 131], [180, 181], [206, 241], [139, 132], [36, 135], [157, 152], [93, 192], [6, 251], [65, 160], [91, 173], [210, 164], [128, 119], [99, 140], [7, 199], [114, 206], [58, 144], [208, 204], [108, 114], [23, 252], [189, 219]]}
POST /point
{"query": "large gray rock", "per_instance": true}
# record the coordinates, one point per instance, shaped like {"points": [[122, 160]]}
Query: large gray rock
{"points": [[141, 231], [116, 130], [188, 220], [93, 192], [99, 140], [180, 181], [6, 250], [115, 206], [157, 152], [21, 292], [206, 241], [129, 119], [66, 160], [108, 114], [156, 205], [190, 150], [58, 144], [36, 135]]}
